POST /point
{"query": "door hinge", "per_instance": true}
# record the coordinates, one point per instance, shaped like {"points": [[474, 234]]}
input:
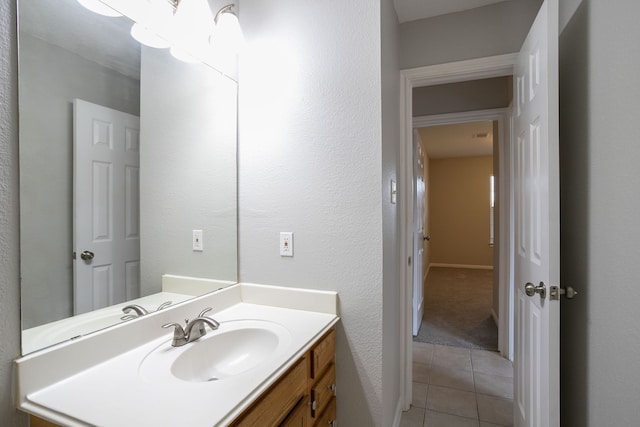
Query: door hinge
{"points": [[409, 263], [556, 291]]}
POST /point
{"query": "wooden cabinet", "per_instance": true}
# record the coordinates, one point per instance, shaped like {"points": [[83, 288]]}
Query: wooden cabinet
{"points": [[39, 422], [303, 397], [286, 404], [275, 404]]}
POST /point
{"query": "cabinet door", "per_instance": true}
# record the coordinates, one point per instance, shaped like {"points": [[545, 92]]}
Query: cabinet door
{"points": [[298, 417], [328, 417], [277, 402], [323, 354]]}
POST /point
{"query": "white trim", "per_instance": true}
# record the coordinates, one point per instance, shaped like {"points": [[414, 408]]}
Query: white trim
{"points": [[480, 68], [468, 266], [464, 117], [472, 69], [398, 414]]}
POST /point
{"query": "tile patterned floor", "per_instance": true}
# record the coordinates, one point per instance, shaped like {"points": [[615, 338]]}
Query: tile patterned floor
{"points": [[459, 387]]}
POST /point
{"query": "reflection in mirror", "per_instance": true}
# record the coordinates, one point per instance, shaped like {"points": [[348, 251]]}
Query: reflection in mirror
{"points": [[124, 152]]}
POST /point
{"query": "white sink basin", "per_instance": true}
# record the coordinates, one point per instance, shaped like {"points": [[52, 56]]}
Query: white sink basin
{"points": [[235, 348]]}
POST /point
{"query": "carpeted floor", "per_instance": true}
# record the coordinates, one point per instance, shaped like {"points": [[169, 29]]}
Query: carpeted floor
{"points": [[457, 309]]}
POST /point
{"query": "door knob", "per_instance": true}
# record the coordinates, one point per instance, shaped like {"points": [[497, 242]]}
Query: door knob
{"points": [[530, 289], [427, 237], [87, 255]]}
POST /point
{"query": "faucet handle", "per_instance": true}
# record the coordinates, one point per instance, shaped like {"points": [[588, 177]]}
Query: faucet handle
{"points": [[179, 336], [201, 329], [164, 305], [205, 311]]}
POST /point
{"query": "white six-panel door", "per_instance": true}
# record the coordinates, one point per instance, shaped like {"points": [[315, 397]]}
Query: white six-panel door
{"points": [[418, 234], [106, 206], [536, 188]]}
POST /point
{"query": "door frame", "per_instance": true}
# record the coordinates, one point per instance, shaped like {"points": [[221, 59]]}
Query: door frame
{"points": [[474, 69]]}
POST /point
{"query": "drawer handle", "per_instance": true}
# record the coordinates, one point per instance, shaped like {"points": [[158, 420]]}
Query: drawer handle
{"points": [[314, 405], [333, 388], [333, 423]]}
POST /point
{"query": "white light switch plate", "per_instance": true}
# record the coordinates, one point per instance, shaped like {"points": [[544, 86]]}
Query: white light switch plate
{"points": [[286, 243]]}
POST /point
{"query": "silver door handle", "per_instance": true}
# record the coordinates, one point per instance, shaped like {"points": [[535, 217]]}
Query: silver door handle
{"points": [[87, 255], [530, 289], [427, 237]]}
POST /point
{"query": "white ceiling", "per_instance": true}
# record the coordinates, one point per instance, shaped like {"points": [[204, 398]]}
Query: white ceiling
{"points": [[459, 140], [411, 10]]}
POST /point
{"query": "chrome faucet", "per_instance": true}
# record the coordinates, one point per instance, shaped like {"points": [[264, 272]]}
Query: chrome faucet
{"points": [[193, 330]]}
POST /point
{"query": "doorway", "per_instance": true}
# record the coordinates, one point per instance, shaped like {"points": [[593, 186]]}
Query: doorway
{"points": [[460, 287], [449, 73]]}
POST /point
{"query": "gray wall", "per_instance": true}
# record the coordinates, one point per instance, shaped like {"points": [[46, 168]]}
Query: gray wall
{"points": [[188, 129], [9, 216], [51, 77], [600, 231], [391, 339], [491, 30], [458, 97], [310, 162]]}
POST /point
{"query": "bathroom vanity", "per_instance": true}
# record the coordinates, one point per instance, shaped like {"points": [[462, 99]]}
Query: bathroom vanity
{"points": [[269, 363]]}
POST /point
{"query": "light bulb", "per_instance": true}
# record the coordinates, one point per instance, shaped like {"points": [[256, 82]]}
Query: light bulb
{"points": [[227, 35]]}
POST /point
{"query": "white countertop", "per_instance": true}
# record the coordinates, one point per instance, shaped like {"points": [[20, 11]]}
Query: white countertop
{"points": [[75, 384]]}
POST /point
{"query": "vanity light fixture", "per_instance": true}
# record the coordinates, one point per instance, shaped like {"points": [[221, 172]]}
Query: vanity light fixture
{"points": [[227, 34], [156, 14], [187, 27]]}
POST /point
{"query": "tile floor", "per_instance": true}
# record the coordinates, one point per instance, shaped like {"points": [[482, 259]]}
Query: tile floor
{"points": [[459, 387]]}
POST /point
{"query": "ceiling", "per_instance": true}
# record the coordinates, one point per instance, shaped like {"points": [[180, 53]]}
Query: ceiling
{"points": [[411, 10], [459, 140]]}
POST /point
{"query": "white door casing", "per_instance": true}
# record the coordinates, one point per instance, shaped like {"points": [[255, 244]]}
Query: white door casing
{"points": [[473, 69], [106, 206], [418, 233], [536, 190]]}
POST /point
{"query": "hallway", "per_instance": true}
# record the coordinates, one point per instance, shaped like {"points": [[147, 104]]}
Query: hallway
{"points": [[458, 304], [459, 387]]}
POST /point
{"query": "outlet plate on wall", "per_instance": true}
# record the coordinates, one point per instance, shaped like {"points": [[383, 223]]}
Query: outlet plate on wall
{"points": [[198, 244], [286, 243]]}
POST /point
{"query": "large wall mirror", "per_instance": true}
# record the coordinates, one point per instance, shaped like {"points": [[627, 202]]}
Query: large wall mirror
{"points": [[127, 157]]}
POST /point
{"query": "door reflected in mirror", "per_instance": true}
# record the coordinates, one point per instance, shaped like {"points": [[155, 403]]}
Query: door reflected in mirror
{"points": [[124, 151]]}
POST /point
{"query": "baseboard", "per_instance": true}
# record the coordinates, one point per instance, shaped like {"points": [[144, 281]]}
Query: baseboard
{"points": [[469, 266], [398, 414], [495, 318], [426, 273]]}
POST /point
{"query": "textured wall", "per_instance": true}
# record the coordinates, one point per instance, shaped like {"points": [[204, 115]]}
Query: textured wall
{"points": [[491, 30], [9, 221], [310, 156], [391, 339], [599, 128], [188, 131]]}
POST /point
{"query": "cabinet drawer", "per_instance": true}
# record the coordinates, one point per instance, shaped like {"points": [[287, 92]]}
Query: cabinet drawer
{"points": [[298, 417], [323, 354], [323, 391], [328, 417], [278, 401]]}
